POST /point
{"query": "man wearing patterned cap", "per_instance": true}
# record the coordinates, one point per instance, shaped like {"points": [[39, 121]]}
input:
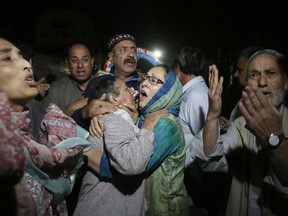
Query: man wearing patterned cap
{"points": [[118, 38], [123, 54], [253, 151]]}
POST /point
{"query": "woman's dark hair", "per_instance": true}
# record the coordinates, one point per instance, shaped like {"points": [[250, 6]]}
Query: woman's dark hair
{"points": [[164, 65], [105, 84], [190, 60]]}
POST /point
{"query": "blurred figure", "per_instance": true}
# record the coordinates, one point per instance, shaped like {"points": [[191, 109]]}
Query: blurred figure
{"points": [[241, 76], [33, 105], [241, 64], [64, 91], [35, 115], [51, 78]]}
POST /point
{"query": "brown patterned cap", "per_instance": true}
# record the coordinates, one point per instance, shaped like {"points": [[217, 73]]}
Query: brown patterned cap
{"points": [[118, 38]]}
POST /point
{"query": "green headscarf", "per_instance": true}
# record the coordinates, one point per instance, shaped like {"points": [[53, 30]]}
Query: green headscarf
{"points": [[168, 96]]}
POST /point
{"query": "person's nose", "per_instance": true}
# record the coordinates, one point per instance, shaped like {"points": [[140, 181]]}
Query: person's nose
{"points": [[262, 80], [27, 66], [80, 64], [132, 53], [236, 74], [145, 82]]}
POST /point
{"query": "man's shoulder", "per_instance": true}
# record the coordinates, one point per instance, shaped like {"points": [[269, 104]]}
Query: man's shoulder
{"points": [[63, 81], [196, 86], [195, 94], [66, 78]]}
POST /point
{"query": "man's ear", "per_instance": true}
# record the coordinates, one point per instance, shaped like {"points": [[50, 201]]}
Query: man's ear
{"points": [[92, 61], [286, 84], [177, 69], [110, 55], [113, 99]]}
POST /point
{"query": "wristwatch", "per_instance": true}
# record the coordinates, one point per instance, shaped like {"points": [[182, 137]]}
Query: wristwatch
{"points": [[275, 140]]}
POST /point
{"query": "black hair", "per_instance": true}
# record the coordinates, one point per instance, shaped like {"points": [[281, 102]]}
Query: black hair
{"points": [[105, 84], [165, 66], [190, 60], [27, 51], [283, 64]]}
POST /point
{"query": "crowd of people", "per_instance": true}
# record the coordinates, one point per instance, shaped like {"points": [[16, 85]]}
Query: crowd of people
{"points": [[153, 143]]}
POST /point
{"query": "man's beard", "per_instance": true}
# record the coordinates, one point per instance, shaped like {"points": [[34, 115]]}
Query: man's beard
{"points": [[278, 97]]}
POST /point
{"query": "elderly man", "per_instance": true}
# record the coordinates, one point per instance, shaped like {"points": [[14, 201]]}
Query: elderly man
{"points": [[249, 151]]}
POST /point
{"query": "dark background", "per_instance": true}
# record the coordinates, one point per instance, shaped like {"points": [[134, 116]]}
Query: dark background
{"points": [[210, 25]]}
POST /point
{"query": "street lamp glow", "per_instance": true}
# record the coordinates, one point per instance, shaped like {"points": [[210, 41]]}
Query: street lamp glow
{"points": [[157, 54]]}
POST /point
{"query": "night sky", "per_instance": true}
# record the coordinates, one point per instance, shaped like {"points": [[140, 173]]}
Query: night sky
{"points": [[210, 25]]}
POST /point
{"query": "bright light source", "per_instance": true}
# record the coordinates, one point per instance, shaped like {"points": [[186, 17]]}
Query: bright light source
{"points": [[157, 54]]}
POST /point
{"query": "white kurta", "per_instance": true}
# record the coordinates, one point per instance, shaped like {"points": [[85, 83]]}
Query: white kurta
{"points": [[253, 185]]}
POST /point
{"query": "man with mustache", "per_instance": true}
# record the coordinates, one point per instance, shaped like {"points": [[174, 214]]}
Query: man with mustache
{"points": [[123, 55], [253, 149]]}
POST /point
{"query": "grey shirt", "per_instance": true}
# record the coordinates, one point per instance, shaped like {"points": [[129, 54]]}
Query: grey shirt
{"points": [[62, 92], [129, 150]]}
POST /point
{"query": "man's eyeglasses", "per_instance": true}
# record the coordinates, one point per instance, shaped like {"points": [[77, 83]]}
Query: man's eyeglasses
{"points": [[153, 80]]}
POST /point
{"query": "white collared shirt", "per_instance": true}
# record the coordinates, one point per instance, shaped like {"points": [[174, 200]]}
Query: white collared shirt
{"points": [[193, 112]]}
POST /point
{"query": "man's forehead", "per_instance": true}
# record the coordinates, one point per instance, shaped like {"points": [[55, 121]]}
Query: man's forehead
{"points": [[78, 49], [79, 56], [264, 59], [5, 44], [126, 43]]}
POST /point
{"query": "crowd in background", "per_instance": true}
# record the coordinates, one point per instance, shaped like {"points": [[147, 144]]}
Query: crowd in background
{"points": [[172, 139]]}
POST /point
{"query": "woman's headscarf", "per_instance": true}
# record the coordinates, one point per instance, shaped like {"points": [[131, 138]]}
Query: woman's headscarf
{"points": [[168, 96]]}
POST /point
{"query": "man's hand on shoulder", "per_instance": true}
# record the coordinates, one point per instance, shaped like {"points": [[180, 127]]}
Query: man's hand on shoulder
{"points": [[97, 107]]}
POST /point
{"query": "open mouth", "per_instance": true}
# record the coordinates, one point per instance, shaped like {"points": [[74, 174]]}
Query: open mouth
{"points": [[266, 93], [30, 81], [81, 73], [130, 62], [143, 95]]}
